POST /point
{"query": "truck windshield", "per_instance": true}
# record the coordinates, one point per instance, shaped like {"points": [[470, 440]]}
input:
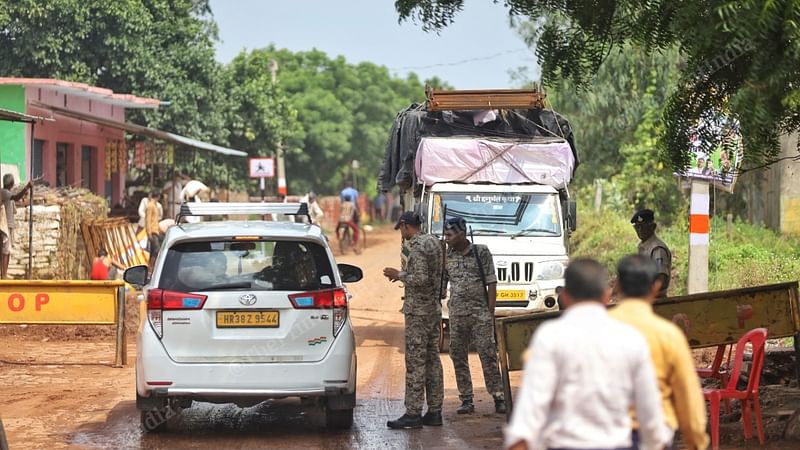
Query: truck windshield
{"points": [[494, 213]]}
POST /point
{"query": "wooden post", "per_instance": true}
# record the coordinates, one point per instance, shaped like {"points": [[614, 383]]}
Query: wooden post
{"points": [[698, 237], [503, 357], [121, 354], [598, 196]]}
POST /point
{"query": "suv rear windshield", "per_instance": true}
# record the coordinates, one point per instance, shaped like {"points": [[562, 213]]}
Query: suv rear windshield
{"points": [[252, 265]]}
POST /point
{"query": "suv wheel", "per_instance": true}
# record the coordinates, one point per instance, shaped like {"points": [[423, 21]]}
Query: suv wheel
{"points": [[338, 419]]}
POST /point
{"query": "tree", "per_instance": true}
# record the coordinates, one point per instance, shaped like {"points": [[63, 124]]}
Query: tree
{"points": [[157, 48], [343, 111], [741, 58]]}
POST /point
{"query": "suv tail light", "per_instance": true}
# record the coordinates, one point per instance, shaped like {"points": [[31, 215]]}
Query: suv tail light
{"points": [[335, 299], [159, 300]]}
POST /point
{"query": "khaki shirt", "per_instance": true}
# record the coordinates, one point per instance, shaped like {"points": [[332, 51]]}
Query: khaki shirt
{"points": [[681, 394], [656, 249], [467, 291], [422, 275], [152, 216]]}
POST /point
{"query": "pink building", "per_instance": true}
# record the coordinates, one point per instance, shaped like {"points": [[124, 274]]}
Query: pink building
{"points": [[67, 151]]}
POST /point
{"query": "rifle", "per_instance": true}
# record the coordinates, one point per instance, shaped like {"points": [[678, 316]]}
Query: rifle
{"points": [[444, 252], [483, 281]]}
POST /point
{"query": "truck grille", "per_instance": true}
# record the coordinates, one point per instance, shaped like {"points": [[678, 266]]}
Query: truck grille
{"points": [[518, 272]]}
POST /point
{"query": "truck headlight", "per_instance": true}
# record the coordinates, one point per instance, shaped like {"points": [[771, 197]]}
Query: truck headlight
{"points": [[550, 270]]}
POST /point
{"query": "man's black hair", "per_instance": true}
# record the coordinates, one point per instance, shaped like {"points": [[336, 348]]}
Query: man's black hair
{"points": [[102, 252], [585, 280], [155, 194], [636, 275]]}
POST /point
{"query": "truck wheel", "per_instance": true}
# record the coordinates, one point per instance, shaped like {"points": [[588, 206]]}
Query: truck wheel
{"points": [[338, 419], [444, 337]]}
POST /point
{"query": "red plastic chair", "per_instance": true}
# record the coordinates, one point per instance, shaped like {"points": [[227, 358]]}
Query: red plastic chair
{"points": [[716, 371], [749, 396]]}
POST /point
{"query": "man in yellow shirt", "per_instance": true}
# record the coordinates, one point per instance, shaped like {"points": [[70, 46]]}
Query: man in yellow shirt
{"points": [[681, 395]]}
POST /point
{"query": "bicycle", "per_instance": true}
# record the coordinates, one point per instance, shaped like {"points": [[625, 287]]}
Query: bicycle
{"points": [[346, 239]]}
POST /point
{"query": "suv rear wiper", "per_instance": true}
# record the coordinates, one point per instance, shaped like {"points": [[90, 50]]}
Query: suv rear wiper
{"points": [[533, 230], [236, 285]]}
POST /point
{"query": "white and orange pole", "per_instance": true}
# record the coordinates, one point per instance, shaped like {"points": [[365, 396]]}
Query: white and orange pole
{"points": [[699, 226]]}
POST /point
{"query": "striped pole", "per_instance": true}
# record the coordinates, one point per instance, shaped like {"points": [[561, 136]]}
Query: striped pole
{"points": [[698, 237]]}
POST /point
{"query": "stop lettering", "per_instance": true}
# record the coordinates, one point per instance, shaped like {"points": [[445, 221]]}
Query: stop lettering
{"points": [[16, 302]]}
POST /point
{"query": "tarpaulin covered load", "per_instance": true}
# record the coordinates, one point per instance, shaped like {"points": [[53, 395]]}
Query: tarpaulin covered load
{"points": [[476, 160], [415, 123]]}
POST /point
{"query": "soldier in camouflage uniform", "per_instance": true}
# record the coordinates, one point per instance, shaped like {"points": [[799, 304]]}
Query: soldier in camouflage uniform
{"points": [[471, 308], [423, 311]]}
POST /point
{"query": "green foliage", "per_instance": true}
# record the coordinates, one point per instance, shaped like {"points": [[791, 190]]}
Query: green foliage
{"points": [[741, 58], [343, 113], [748, 256]]}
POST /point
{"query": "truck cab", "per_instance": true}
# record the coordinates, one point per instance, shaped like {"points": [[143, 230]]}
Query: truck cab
{"points": [[524, 226]]}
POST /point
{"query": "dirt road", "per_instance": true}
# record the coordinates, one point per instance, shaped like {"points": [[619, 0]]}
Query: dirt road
{"points": [[64, 394]]}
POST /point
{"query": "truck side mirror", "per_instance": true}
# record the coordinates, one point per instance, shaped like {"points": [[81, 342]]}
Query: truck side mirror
{"points": [[572, 215]]}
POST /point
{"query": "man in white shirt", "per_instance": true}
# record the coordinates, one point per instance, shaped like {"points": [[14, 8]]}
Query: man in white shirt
{"points": [[584, 373]]}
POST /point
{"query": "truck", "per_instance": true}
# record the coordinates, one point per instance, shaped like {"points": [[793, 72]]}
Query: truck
{"points": [[503, 162]]}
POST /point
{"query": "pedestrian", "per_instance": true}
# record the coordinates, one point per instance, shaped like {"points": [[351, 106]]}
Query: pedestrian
{"points": [[651, 246], [470, 270], [315, 213], [348, 217], [7, 199], [379, 207], [152, 219], [681, 395], [584, 374], [104, 267], [143, 209], [422, 311]]}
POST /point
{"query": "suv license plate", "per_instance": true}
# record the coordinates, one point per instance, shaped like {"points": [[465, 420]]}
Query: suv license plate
{"points": [[511, 295], [248, 319]]}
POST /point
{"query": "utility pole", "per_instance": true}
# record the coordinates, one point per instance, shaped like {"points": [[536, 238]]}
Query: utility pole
{"points": [[698, 237], [273, 68]]}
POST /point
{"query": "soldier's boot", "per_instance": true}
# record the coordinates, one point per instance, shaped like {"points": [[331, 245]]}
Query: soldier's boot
{"points": [[406, 421], [432, 419], [467, 407], [500, 406]]}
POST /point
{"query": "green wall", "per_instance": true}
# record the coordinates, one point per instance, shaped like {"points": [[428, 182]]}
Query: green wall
{"points": [[12, 134]]}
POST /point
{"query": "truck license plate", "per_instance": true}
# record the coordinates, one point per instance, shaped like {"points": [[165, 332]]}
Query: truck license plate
{"points": [[248, 319], [511, 295]]}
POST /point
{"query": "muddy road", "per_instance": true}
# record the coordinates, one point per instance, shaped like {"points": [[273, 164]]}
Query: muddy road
{"points": [[58, 393]]}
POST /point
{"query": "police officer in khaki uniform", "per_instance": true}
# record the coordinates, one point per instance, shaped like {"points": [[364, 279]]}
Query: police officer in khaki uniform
{"points": [[470, 270], [422, 309], [651, 246]]}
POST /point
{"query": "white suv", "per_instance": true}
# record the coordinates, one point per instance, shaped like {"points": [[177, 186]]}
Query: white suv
{"points": [[244, 311]]}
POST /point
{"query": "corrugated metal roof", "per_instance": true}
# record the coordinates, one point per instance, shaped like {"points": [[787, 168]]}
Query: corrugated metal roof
{"points": [[13, 116], [144, 131]]}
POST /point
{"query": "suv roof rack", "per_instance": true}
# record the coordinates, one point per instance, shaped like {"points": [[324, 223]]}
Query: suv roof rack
{"points": [[224, 209]]}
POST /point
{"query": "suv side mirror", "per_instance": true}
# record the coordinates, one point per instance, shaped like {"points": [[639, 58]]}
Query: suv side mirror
{"points": [[136, 275], [572, 215], [350, 273]]}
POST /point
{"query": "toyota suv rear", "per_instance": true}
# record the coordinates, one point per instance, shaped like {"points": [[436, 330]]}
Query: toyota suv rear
{"points": [[241, 312]]}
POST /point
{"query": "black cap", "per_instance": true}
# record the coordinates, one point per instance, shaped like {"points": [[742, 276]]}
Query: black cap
{"points": [[456, 224], [643, 216], [410, 218]]}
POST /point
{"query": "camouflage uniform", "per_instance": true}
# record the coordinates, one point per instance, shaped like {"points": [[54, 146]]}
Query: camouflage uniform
{"points": [[658, 251], [470, 320], [423, 311]]}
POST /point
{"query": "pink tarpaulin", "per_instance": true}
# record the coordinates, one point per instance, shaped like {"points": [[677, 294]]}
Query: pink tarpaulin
{"points": [[475, 160]]}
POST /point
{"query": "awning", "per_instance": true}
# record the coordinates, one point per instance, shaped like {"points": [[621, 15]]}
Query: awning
{"points": [[13, 116], [144, 131]]}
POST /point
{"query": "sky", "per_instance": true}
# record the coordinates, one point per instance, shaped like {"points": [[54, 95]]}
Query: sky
{"points": [[475, 52]]}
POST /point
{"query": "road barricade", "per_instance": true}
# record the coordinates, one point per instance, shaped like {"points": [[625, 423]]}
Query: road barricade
{"points": [[66, 302], [709, 319]]}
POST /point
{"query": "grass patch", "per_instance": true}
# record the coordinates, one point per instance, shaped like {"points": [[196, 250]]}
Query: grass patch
{"points": [[747, 256]]}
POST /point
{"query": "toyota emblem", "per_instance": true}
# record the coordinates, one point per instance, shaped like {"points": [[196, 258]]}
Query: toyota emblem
{"points": [[247, 299]]}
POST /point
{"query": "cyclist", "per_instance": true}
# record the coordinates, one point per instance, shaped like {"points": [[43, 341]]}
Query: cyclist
{"points": [[348, 215]]}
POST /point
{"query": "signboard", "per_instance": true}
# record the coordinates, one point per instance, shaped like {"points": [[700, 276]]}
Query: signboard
{"points": [[59, 302], [721, 166], [262, 167]]}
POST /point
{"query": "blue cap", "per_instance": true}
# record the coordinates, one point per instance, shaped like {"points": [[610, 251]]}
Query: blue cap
{"points": [[409, 218], [643, 216]]}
